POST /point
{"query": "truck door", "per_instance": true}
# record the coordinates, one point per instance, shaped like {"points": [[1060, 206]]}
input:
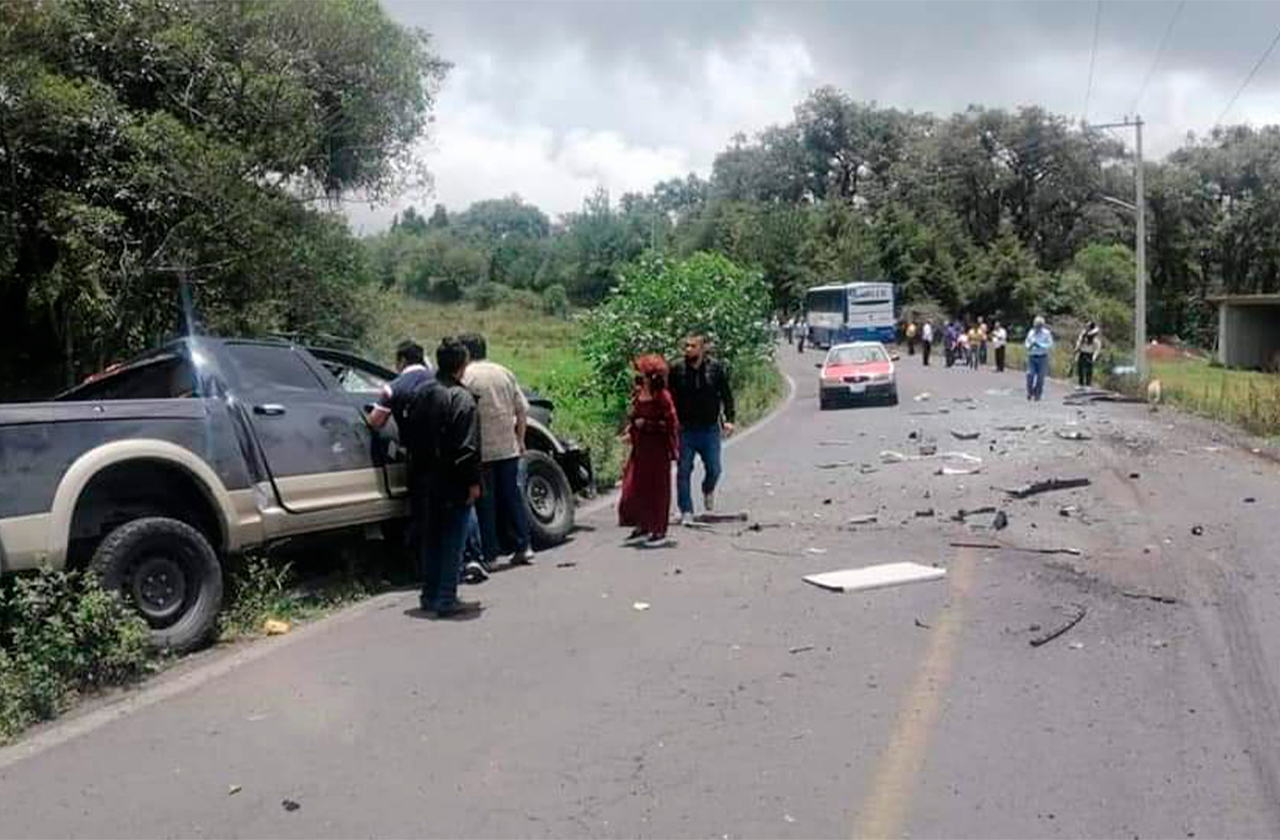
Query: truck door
{"points": [[316, 444], [362, 381]]}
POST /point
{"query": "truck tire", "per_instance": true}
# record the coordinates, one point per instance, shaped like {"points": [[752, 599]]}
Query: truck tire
{"points": [[549, 500], [168, 572]]}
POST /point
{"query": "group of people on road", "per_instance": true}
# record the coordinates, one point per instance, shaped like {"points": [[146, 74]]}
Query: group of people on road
{"points": [[678, 413], [968, 345], [463, 425], [971, 345]]}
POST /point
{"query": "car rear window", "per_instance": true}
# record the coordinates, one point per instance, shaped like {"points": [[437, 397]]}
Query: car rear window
{"points": [[162, 378]]}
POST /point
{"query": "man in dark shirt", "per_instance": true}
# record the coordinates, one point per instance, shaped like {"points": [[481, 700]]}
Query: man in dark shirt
{"points": [[446, 473], [394, 403], [704, 405], [396, 394]]}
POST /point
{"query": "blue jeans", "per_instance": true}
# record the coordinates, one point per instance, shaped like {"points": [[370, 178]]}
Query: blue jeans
{"points": [[704, 442], [442, 554], [504, 519], [1037, 370]]}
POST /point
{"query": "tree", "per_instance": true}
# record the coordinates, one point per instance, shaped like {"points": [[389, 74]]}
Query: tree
{"points": [[148, 143], [658, 301]]}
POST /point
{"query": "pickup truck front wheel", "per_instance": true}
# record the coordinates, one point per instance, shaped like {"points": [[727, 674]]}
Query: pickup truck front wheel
{"points": [[168, 572], [549, 499]]}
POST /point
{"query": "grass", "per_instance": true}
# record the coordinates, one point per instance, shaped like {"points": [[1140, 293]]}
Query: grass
{"points": [[266, 589], [1248, 399]]}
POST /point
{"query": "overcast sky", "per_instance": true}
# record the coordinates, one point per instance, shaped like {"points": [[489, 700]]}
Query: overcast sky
{"points": [[549, 100]]}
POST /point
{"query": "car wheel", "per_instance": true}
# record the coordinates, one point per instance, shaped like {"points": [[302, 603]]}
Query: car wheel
{"points": [[168, 572], [549, 500]]}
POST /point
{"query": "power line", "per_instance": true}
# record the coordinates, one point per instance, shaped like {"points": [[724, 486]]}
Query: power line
{"points": [[1164, 42], [1093, 59], [1247, 80]]}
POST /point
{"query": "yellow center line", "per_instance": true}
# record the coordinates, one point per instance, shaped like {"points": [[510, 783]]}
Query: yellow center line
{"points": [[885, 807]]}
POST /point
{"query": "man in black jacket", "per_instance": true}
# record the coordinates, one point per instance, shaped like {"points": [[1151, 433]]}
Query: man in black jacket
{"points": [[704, 404], [446, 471]]}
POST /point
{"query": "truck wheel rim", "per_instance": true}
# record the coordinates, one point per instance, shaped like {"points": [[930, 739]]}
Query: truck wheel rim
{"points": [[158, 587], [542, 498]]}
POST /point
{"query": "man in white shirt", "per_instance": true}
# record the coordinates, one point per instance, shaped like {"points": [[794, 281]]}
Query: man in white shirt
{"points": [[504, 412], [926, 342], [999, 338]]}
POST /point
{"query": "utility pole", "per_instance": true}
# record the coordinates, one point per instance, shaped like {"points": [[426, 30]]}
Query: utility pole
{"points": [[1140, 249]]}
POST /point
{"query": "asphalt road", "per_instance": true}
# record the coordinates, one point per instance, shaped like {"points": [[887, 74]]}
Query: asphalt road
{"points": [[745, 702]]}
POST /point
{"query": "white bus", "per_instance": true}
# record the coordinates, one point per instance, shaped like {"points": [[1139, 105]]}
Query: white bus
{"points": [[848, 312]]}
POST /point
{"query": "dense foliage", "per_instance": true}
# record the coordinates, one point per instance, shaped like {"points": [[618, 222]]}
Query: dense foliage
{"points": [[658, 301], [988, 212], [62, 635], [144, 143]]}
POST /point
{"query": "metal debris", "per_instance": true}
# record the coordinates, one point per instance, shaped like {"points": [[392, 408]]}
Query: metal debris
{"points": [[1053, 634], [1001, 521], [1197, 530], [962, 513], [714, 518], [922, 625], [289, 805], [1147, 596], [863, 519], [1047, 486], [1074, 434], [640, 606], [801, 649], [959, 435]]}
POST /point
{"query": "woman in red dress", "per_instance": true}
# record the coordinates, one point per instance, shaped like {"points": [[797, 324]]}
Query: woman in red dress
{"points": [[654, 433]]}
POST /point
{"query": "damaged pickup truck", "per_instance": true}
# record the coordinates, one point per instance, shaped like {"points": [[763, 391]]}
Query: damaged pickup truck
{"points": [[156, 472]]}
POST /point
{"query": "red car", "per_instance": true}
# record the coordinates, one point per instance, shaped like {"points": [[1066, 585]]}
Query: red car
{"points": [[855, 372]]}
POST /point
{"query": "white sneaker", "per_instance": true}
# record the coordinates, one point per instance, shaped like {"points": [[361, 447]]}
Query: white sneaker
{"points": [[522, 558], [686, 520], [709, 501]]}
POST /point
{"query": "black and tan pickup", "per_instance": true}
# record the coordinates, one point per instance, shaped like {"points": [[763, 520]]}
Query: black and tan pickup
{"points": [[156, 472]]}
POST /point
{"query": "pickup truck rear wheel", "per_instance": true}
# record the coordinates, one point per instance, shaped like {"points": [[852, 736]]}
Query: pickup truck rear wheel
{"points": [[549, 500], [168, 572]]}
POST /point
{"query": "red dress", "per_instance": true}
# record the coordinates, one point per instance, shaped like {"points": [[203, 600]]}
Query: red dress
{"points": [[646, 480]]}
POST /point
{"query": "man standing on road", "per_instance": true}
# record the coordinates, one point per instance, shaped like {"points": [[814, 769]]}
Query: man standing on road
{"points": [[911, 338], [414, 373], [504, 415], [999, 338], [1039, 342], [700, 388], [447, 469], [1088, 346], [926, 342]]}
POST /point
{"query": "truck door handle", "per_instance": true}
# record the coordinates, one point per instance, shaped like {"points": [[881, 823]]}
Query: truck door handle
{"points": [[269, 409]]}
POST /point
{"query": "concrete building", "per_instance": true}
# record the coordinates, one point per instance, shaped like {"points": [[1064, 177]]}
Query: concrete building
{"points": [[1249, 331]]}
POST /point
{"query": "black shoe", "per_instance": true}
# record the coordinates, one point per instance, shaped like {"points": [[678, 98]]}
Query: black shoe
{"points": [[458, 609], [654, 539], [475, 572], [637, 534]]}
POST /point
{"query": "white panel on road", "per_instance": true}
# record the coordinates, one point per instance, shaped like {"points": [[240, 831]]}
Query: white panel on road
{"points": [[875, 577]]}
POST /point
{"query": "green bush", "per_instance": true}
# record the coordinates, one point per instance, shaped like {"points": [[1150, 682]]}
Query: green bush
{"points": [[486, 295], [62, 635], [658, 301], [555, 301]]}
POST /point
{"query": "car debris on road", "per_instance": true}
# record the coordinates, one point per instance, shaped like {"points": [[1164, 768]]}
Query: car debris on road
{"points": [[1047, 486]]}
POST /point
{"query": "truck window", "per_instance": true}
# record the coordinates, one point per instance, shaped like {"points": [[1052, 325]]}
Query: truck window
{"points": [[269, 366], [162, 378]]}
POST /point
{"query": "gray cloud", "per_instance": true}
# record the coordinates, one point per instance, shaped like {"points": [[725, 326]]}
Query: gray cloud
{"points": [[550, 99]]}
